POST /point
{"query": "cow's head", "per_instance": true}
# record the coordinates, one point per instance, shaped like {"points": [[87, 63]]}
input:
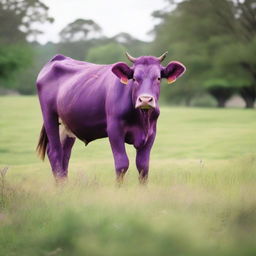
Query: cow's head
{"points": [[145, 75]]}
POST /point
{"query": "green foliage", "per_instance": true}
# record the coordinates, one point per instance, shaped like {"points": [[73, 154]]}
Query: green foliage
{"points": [[8, 59], [25, 80], [216, 42], [112, 50], [199, 200], [238, 63], [132, 45], [18, 20], [12, 59], [203, 100], [217, 82], [78, 49], [106, 54]]}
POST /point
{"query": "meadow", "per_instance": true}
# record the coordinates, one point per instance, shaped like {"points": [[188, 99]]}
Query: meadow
{"points": [[200, 199]]}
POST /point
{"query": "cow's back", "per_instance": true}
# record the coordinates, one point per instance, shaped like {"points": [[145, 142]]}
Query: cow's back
{"points": [[62, 72], [77, 92]]}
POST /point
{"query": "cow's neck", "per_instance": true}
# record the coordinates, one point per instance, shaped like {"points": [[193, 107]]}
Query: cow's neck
{"points": [[146, 122]]}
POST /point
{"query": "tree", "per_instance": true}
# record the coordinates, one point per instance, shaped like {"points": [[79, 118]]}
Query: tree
{"points": [[106, 54], [12, 59], [235, 64], [220, 90], [25, 82], [18, 19], [241, 24], [184, 33], [81, 48], [80, 30], [213, 41], [133, 45], [78, 37]]}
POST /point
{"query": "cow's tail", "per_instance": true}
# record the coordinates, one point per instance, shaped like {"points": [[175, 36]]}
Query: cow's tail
{"points": [[42, 143]]}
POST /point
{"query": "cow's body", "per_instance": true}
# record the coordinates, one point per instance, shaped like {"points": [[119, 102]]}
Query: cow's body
{"points": [[89, 102]]}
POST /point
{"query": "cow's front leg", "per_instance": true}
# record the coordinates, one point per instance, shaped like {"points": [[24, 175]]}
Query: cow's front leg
{"points": [[142, 160], [116, 138]]}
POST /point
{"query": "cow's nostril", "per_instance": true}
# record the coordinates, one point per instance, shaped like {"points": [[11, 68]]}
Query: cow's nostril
{"points": [[140, 100], [150, 100]]}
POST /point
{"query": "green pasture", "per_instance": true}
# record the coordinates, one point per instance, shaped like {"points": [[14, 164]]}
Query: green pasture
{"points": [[200, 199]]}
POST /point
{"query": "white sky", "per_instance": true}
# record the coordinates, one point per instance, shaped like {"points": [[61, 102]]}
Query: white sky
{"points": [[114, 16]]}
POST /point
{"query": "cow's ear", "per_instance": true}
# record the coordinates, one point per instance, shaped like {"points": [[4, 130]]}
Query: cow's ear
{"points": [[173, 71], [122, 71]]}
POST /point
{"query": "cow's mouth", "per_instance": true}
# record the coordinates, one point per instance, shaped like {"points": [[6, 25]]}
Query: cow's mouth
{"points": [[145, 110], [145, 107]]}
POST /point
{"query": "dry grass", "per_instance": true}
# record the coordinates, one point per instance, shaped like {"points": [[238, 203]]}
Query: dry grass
{"points": [[199, 200]]}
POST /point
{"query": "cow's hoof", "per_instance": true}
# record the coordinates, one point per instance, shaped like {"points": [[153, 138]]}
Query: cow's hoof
{"points": [[61, 180], [119, 181], [143, 181]]}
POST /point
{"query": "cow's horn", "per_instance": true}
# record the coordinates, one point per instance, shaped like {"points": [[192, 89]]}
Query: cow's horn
{"points": [[130, 58], [162, 57]]}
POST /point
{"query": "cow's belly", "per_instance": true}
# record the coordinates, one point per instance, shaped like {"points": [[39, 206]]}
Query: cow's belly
{"points": [[83, 130], [83, 113], [85, 123], [88, 134]]}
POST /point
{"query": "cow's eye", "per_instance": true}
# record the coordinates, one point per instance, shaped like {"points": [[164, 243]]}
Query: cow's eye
{"points": [[133, 79], [159, 78]]}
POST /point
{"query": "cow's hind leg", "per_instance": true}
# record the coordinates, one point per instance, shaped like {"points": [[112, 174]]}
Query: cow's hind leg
{"points": [[67, 144], [54, 149]]}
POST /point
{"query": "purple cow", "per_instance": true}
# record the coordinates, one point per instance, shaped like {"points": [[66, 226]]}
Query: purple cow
{"points": [[88, 101]]}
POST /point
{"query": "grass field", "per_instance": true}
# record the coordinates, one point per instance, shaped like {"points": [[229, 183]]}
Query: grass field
{"points": [[200, 199]]}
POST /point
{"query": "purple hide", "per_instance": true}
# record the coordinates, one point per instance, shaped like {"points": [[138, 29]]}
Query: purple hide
{"points": [[88, 101]]}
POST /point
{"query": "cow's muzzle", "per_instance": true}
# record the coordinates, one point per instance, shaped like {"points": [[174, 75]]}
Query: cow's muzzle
{"points": [[145, 102]]}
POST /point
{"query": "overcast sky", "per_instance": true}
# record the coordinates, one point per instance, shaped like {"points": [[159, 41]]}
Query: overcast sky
{"points": [[114, 16]]}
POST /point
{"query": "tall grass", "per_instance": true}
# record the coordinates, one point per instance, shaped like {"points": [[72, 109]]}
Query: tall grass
{"points": [[200, 199]]}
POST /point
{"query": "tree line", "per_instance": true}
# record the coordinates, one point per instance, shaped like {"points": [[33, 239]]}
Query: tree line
{"points": [[215, 39]]}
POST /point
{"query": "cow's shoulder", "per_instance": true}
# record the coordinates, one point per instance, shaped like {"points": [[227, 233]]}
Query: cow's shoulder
{"points": [[59, 64], [60, 60], [65, 65], [58, 57]]}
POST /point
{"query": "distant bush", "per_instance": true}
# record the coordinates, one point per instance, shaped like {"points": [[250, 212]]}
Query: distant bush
{"points": [[203, 100], [106, 54]]}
